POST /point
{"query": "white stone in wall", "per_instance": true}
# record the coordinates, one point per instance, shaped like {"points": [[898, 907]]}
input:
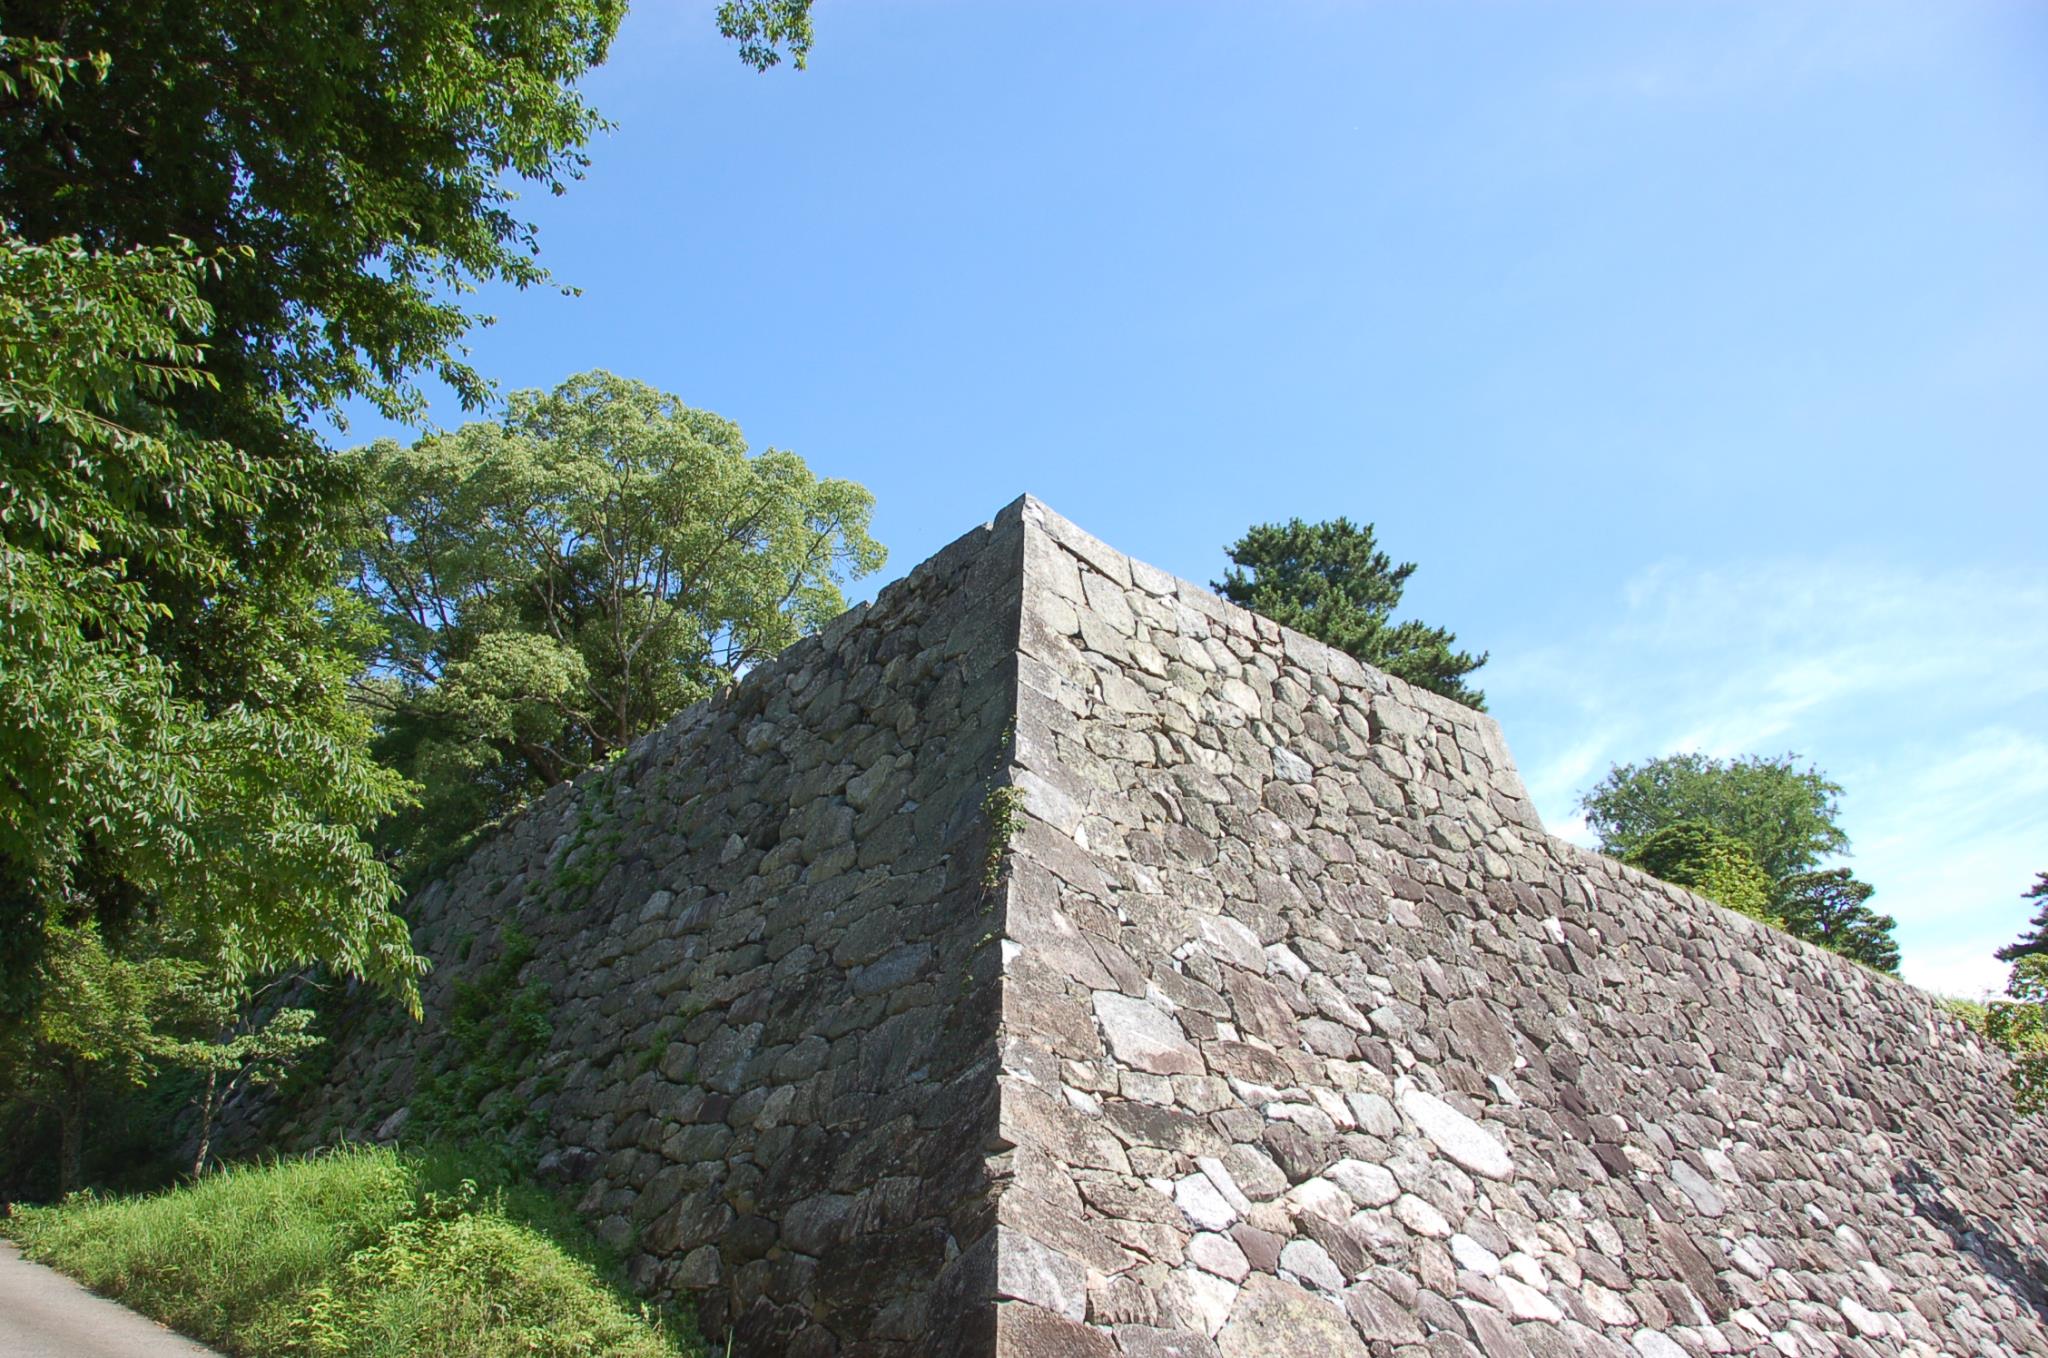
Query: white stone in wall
{"points": [[1029, 1271], [1699, 1189], [1421, 1217], [1199, 1201], [1232, 942], [1311, 1263], [1204, 1298], [1218, 1254], [1607, 1306], [1652, 1344], [1368, 1185], [1321, 1198], [1290, 767], [1868, 1323], [1525, 1302], [1217, 1174], [1457, 1136], [1375, 1115], [1470, 1254], [1144, 1036]]}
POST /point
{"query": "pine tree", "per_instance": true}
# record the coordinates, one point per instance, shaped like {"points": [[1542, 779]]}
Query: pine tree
{"points": [[1331, 581], [1829, 908], [2035, 940]]}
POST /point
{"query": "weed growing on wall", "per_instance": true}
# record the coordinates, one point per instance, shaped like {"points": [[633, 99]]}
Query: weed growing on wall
{"points": [[497, 1029], [592, 850], [1003, 808]]}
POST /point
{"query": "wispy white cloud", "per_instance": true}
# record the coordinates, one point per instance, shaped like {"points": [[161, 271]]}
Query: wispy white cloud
{"points": [[1921, 692], [1776, 48]]}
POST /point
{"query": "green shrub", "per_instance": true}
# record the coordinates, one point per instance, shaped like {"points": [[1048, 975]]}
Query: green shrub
{"points": [[1695, 855], [1975, 1013], [356, 1254]]}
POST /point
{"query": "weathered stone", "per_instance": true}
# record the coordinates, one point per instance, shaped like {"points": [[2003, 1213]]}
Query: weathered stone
{"points": [[1144, 1036], [1029, 1271], [1367, 1185], [1218, 1254], [1651, 1344], [1204, 1206], [1311, 1263], [1273, 1317], [1145, 1341], [816, 1224], [1698, 1188], [1421, 1217], [1379, 1317], [1026, 1329], [1525, 1302], [1457, 1136]]}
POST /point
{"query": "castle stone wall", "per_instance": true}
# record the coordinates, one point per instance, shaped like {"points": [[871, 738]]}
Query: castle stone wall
{"points": [[766, 956], [1282, 1027], [1315, 1042]]}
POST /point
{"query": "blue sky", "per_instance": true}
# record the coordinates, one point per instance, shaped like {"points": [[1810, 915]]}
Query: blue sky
{"points": [[1699, 353]]}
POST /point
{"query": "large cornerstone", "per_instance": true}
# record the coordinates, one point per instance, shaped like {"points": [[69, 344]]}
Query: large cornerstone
{"points": [[1052, 960]]}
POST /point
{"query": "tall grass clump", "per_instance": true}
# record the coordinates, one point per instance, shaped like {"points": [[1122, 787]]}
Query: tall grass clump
{"points": [[356, 1254]]}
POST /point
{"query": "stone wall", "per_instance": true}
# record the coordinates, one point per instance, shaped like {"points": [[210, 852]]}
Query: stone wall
{"points": [[1315, 1042], [764, 957], [1284, 1027]]}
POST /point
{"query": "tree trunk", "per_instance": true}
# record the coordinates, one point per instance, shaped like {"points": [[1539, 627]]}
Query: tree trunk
{"points": [[71, 1122], [206, 1110]]}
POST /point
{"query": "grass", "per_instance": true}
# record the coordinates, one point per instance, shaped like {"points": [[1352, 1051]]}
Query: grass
{"points": [[356, 1254]]}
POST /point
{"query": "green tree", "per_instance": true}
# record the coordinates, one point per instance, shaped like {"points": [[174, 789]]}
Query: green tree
{"points": [[2019, 1023], [234, 1044], [1695, 855], [216, 220], [354, 164], [1829, 908], [1786, 816], [215, 224], [1331, 581], [130, 788], [96, 1024], [2034, 941], [559, 582]]}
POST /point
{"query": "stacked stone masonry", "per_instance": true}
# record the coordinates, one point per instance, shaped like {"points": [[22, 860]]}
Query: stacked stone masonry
{"points": [[1284, 1029]]}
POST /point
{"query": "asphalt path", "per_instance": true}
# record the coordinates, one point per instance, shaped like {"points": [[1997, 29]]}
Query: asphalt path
{"points": [[44, 1314]]}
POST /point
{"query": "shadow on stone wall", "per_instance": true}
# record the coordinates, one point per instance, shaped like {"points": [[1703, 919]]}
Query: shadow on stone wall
{"points": [[2022, 1271]]}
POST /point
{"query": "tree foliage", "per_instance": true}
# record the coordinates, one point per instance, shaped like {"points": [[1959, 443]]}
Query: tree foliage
{"points": [[1829, 908], [765, 29], [1785, 815], [213, 224], [1695, 855], [97, 1023], [234, 1044], [1331, 581], [218, 219], [2034, 942], [554, 584], [130, 789], [2019, 1023], [1784, 819], [354, 164]]}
